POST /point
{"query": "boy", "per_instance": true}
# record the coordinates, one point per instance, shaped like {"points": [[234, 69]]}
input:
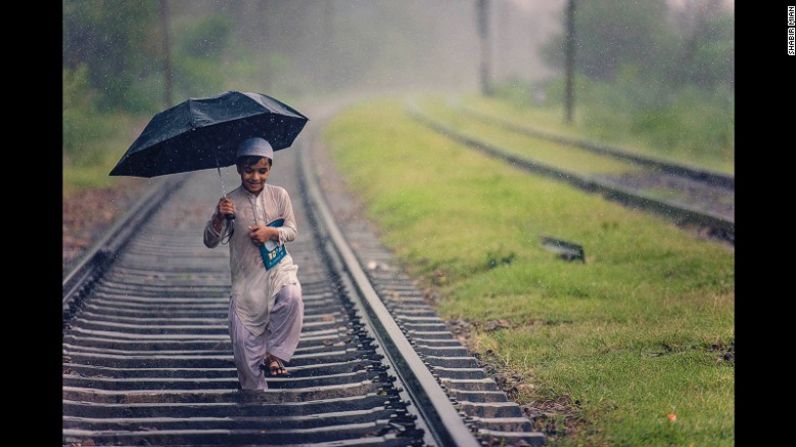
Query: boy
{"points": [[265, 308]]}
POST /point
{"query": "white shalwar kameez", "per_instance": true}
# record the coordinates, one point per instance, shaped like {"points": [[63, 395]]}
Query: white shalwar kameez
{"points": [[266, 310]]}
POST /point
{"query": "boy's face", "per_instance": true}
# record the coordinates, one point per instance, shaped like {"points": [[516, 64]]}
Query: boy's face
{"points": [[253, 177]]}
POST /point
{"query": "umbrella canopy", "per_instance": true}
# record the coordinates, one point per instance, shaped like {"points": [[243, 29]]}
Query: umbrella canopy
{"points": [[204, 133]]}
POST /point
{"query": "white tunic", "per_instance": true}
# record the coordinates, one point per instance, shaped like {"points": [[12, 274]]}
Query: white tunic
{"points": [[254, 288]]}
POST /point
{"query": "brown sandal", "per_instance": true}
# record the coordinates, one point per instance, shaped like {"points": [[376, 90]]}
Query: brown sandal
{"points": [[276, 367]]}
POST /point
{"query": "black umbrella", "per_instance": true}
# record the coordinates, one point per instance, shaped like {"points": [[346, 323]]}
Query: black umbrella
{"points": [[204, 133]]}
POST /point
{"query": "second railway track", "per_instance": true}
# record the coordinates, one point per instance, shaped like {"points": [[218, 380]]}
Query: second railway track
{"points": [[148, 360], [702, 195], [702, 175]]}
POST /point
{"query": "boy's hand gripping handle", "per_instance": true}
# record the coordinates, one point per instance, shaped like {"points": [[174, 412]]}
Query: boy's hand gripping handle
{"points": [[227, 210]]}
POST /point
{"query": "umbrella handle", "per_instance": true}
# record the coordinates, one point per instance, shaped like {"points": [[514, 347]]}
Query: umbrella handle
{"points": [[230, 224]]}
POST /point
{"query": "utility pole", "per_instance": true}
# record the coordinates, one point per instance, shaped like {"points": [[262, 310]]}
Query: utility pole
{"points": [[503, 40], [483, 32], [569, 99], [164, 23]]}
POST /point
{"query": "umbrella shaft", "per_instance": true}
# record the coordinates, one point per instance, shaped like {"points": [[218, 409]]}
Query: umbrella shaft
{"points": [[220, 177]]}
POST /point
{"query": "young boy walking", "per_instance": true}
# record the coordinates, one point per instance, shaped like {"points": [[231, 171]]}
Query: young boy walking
{"points": [[265, 308]]}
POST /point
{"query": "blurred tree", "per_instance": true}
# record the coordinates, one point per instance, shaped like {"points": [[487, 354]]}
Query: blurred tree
{"points": [[614, 33], [207, 38], [113, 39], [706, 53], [663, 75], [692, 44], [198, 67], [80, 118]]}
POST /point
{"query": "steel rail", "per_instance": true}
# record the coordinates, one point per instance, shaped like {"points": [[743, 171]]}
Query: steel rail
{"points": [[78, 282], [133, 373], [145, 357], [435, 407], [695, 173]]}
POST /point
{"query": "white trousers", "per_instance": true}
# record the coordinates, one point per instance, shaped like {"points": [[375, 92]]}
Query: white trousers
{"points": [[280, 339]]}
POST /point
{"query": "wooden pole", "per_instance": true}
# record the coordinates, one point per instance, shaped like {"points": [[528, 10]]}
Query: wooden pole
{"points": [[569, 100], [483, 32]]}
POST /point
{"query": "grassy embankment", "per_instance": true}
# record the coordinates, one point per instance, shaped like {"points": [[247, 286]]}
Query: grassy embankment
{"points": [[635, 334], [94, 138], [96, 143]]}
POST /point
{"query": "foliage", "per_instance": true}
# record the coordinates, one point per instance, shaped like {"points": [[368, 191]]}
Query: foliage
{"points": [[644, 72], [708, 54], [207, 38], [686, 119], [610, 33], [113, 40], [198, 67], [662, 45], [81, 120]]}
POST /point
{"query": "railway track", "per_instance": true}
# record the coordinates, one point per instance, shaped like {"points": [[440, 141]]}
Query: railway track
{"points": [[697, 174], [720, 225], [147, 358]]}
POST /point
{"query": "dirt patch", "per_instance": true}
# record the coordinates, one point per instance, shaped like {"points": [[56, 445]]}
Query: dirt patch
{"points": [[84, 443], [727, 352], [555, 418], [88, 214], [465, 327]]}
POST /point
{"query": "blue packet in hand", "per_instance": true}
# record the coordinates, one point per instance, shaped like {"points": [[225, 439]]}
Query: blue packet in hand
{"points": [[271, 251]]}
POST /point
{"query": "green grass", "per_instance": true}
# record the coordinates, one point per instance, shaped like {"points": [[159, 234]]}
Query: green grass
{"points": [[92, 155], [550, 119], [627, 335]]}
